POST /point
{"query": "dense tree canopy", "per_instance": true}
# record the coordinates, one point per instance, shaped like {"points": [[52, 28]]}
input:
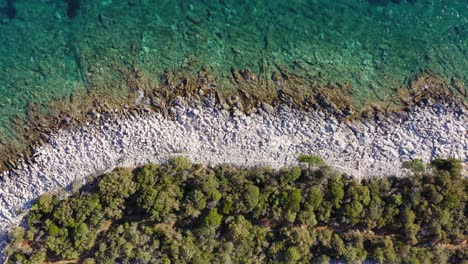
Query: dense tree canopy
{"points": [[183, 213]]}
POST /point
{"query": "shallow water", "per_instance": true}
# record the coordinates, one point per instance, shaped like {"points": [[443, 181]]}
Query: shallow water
{"points": [[49, 49]]}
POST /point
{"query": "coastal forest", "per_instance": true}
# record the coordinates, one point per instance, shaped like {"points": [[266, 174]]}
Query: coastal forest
{"points": [[179, 212]]}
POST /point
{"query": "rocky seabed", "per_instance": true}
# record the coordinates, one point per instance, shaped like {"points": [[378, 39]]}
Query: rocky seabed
{"points": [[209, 134]]}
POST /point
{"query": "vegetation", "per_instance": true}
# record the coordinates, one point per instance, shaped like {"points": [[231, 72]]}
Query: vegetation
{"points": [[183, 213]]}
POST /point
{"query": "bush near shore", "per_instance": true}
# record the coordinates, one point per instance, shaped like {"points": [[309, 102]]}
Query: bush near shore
{"points": [[178, 212]]}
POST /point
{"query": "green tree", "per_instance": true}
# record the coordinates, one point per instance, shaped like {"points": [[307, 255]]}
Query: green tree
{"points": [[352, 211], [315, 197], [197, 199], [114, 188], [289, 175], [46, 203], [292, 255], [83, 238], [453, 166], [251, 197], [292, 199], [336, 193], [174, 215], [307, 216], [160, 201], [213, 218], [433, 196], [410, 228], [451, 200]]}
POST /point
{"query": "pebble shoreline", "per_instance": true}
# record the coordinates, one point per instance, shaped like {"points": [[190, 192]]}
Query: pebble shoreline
{"points": [[206, 133]]}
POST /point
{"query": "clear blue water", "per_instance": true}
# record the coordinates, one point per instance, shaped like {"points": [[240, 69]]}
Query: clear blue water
{"points": [[50, 49]]}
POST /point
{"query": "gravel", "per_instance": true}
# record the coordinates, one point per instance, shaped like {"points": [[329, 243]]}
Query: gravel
{"points": [[211, 135]]}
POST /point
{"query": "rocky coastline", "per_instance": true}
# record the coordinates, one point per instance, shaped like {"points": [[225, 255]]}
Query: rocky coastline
{"points": [[207, 133]]}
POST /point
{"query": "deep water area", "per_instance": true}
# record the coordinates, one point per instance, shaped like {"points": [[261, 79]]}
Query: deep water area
{"points": [[50, 49]]}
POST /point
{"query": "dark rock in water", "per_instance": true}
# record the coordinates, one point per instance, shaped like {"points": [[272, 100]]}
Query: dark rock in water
{"points": [[66, 120], [347, 111], [10, 9], [386, 2], [378, 2], [73, 6], [326, 104]]}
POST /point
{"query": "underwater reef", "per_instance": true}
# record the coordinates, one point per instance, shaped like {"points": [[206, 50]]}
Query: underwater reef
{"points": [[363, 52]]}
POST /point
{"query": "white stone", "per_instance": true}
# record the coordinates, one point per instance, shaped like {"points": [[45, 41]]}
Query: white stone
{"points": [[214, 137]]}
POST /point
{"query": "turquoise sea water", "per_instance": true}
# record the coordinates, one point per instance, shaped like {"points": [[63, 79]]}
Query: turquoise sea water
{"points": [[49, 48]]}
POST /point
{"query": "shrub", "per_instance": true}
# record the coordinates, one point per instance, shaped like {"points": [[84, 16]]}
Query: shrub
{"points": [[312, 160], [171, 214], [181, 163], [453, 166], [415, 165]]}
